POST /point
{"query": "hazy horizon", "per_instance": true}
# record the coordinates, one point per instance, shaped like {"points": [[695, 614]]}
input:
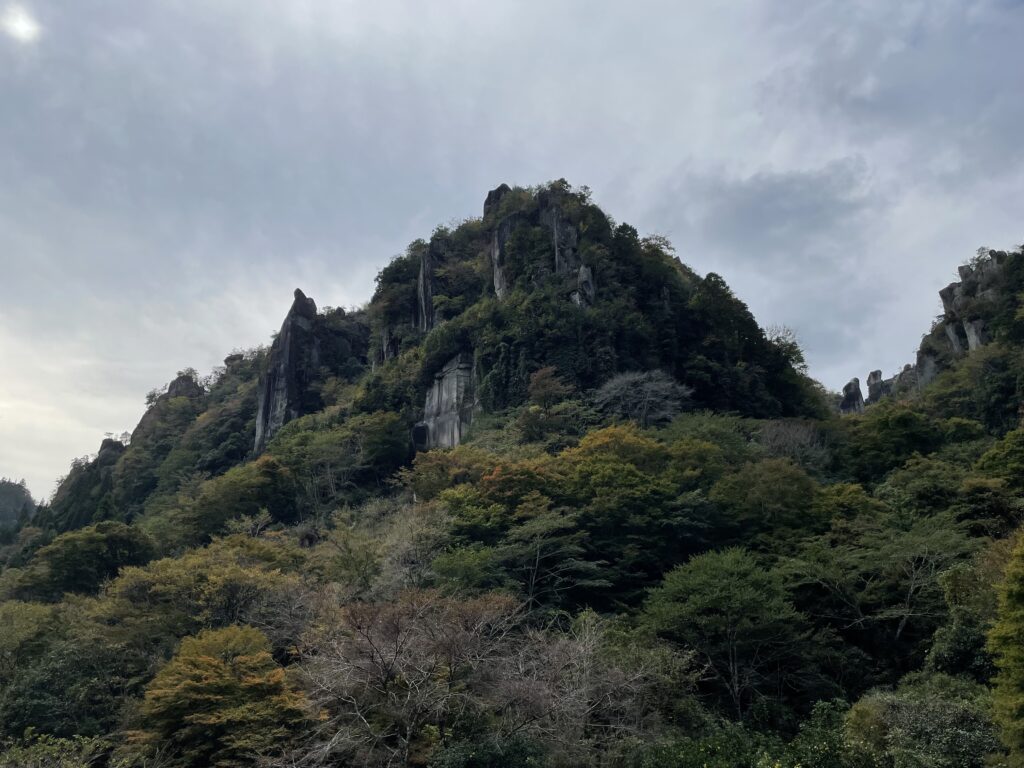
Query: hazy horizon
{"points": [[174, 171]]}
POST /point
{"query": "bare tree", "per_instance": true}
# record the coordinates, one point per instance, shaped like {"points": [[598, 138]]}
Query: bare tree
{"points": [[391, 680], [649, 398]]}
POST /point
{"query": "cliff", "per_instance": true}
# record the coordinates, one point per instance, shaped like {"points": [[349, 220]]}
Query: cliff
{"points": [[293, 363], [973, 307]]}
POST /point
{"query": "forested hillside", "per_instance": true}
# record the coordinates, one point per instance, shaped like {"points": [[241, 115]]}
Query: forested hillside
{"points": [[550, 499]]}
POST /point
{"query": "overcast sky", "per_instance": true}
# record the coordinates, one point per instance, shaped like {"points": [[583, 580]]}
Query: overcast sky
{"points": [[170, 171]]}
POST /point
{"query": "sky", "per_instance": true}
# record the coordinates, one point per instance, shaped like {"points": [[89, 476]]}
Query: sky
{"points": [[170, 172]]}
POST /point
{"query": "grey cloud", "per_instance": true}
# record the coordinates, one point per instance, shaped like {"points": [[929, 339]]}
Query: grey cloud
{"points": [[789, 244]]}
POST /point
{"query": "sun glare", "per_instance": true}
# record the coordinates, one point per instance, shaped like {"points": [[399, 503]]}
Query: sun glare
{"points": [[17, 22]]}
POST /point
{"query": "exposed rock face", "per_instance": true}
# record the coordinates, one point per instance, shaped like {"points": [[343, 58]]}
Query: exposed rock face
{"points": [[960, 330], [976, 335], [927, 369], [425, 286], [853, 400], [499, 246], [293, 362], [954, 339], [963, 302], [184, 386], [564, 237], [585, 291], [494, 198], [450, 406], [566, 261], [878, 387], [388, 347]]}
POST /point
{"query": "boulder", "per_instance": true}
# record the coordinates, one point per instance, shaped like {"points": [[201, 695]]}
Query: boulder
{"points": [[292, 364]]}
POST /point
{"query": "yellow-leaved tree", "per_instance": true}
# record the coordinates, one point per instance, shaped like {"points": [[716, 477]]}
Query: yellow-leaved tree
{"points": [[221, 701]]}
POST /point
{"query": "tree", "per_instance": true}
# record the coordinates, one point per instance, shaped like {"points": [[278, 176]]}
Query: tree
{"points": [[1007, 646], [26, 627], [739, 620], [390, 679], [929, 721], [546, 388], [545, 553], [875, 580], [428, 678], [649, 398], [81, 561], [767, 500], [221, 701]]}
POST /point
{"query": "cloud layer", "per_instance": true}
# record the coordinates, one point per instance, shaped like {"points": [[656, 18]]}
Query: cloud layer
{"points": [[172, 170]]}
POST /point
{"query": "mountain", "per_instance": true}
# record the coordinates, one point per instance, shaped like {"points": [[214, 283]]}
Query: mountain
{"points": [[454, 330], [550, 498]]}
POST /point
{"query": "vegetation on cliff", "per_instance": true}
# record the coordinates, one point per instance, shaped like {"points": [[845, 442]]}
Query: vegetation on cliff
{"points": [[656, 547]]}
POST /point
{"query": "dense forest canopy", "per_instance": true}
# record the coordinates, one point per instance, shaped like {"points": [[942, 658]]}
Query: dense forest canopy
{"points": [[550, 499]]}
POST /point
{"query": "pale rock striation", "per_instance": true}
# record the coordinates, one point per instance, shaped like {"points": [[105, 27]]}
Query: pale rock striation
{"points": [[450, 405]]}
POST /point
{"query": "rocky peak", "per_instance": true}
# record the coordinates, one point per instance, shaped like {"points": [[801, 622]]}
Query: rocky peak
{"points": [[185, 385], [109, 448], [964, 301], [292, 364], [853, 399], [877, 386], [494, 198], [565, 258], [961, 329]]}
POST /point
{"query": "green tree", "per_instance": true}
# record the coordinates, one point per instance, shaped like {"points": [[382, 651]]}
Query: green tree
{"points": [[929, 721], [26, 627], [738, 618], [766, 501], [1006, 642], [221, 701], [80, 561]]}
